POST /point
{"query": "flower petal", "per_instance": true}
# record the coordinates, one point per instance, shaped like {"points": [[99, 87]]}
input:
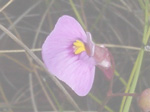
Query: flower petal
{"points": [[79, 76], [68, 29], [73, 70], [77, 71]]}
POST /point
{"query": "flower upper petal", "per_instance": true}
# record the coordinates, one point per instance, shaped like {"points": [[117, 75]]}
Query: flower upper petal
{"points": [[67, 28]]}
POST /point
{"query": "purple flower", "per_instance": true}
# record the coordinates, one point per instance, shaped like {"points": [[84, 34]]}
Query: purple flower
{"points": [[70, 54]]}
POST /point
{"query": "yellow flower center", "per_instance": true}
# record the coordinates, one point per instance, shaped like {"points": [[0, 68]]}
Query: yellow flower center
{"points": [[78, 47]]}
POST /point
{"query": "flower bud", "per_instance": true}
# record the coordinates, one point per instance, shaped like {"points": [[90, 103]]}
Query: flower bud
{"points": [[144, 100]]}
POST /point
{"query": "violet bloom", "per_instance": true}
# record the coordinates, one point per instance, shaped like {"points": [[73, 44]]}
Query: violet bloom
{"points": [[70, 54]]}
